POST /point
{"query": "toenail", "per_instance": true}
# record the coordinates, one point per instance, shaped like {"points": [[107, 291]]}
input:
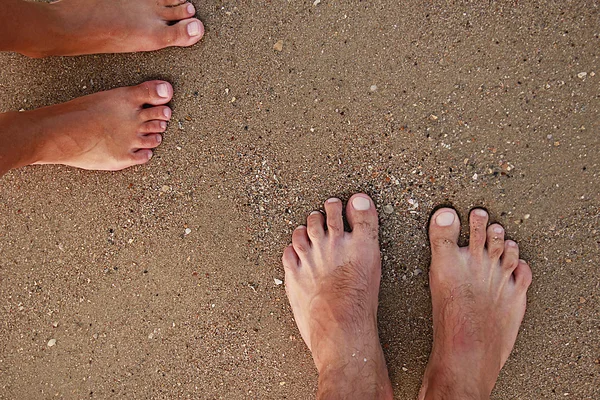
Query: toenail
{"points": [[498, 229], [480, 212], [163, 90], [191, 9], [315, 212], [445, 218], [193, 28], [361, 204], [163, 125], [159, 138], [333, 200], [510, 243], [167, 113]]}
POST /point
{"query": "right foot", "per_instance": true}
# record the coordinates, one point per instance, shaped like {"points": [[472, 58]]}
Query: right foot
{"points": [[332, 281], [109, 130], [479, 297], [75, 27]]}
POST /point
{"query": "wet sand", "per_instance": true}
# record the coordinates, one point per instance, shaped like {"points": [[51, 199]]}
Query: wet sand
{"points": [[493, 104]]}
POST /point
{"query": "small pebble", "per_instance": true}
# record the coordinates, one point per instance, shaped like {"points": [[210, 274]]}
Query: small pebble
{"points": [[373, 88], [475, 176], [278, 46], [165, 188], [526, 216], [388, 209], [582, 75], [51, 342], [316, 2], [55, 324], [277, 281], [188, 231], [417, 272]]}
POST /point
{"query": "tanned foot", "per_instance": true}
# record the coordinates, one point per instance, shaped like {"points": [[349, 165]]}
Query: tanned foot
{"points": [[332, 282], [75, 27], [109, 130], [479, 296]]}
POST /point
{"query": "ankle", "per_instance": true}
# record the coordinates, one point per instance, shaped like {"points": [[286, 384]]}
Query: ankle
{"points": [[444, 382], [357, 378], [43, 32], [20, 141]]}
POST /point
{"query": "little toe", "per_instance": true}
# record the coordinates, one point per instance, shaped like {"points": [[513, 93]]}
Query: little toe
{"points": [[300, 241], [178, 12], [184, 33], [478, 219], [149, 141], [335, 223], [444, 228], [141, 156], [161, 113], [153, 127], [290, 259], [362, 216], [522, 274], [510, 256], [315, 225], [153, 92], [495, 241]]}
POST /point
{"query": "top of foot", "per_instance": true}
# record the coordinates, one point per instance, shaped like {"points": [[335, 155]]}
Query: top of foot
{"points": [[332, 281], [78, 27], [479, 297]]}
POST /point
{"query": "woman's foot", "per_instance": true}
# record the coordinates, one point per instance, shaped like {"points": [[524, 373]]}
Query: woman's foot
{"points": [[109, 130], [75, 27], [479, 297], [332, 281]]}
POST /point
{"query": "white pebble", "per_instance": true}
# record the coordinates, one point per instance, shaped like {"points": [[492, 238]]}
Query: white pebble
{"points": [[475, 177], [277, 281], [582, 75], [373, 88], [188, 231], [51, 342]]}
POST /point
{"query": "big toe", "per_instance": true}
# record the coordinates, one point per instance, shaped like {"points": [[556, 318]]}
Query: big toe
{"points": [[153, 92], [184, 33], [362, 216], [444, 228]]}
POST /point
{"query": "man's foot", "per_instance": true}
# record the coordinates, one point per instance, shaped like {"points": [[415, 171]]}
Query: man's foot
{"points": [[75, 27], [479, 297], [332, 281], [109, 130]]}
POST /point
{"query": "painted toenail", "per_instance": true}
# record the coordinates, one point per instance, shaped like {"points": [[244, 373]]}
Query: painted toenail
{"points": [[360, 203], [480, 212], [163, 90], [191, 9], [167, 113], [193, 28], [445, 218], [498, 229], [333, 200]]}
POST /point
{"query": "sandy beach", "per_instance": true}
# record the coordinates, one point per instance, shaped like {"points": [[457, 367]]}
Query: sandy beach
{"points": [[163, 281]]}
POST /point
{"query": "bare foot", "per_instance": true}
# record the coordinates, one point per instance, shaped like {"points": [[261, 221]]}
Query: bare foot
{"points": [[332, 281], [479, 296], [104, 131], [74, 27]]}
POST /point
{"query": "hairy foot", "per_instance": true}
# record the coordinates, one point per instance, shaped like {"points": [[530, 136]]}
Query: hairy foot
{"points": [[109, 130], [75, 27], [479, 297], [332, 282]]}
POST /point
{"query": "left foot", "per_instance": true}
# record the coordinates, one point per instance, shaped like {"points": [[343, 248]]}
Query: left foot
{"points": [[332, 281], [75, 27]]}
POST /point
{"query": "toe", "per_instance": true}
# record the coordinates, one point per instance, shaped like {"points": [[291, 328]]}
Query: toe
{"points": [[315, 225], [444, 228], [153, 92], [495, 241], [179, 12], [523, 275], [149, 141], [335, 223], [290, 259], [184, 33], [153, 127], [141, 156], [300, 241], [362, 216], [510, 256], [161, 113], [478, 220]]}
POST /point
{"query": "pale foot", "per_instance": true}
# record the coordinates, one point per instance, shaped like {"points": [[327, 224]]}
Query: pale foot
{"points": [[479, 297], [109, 130], [75, 27], [332, 281]]}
